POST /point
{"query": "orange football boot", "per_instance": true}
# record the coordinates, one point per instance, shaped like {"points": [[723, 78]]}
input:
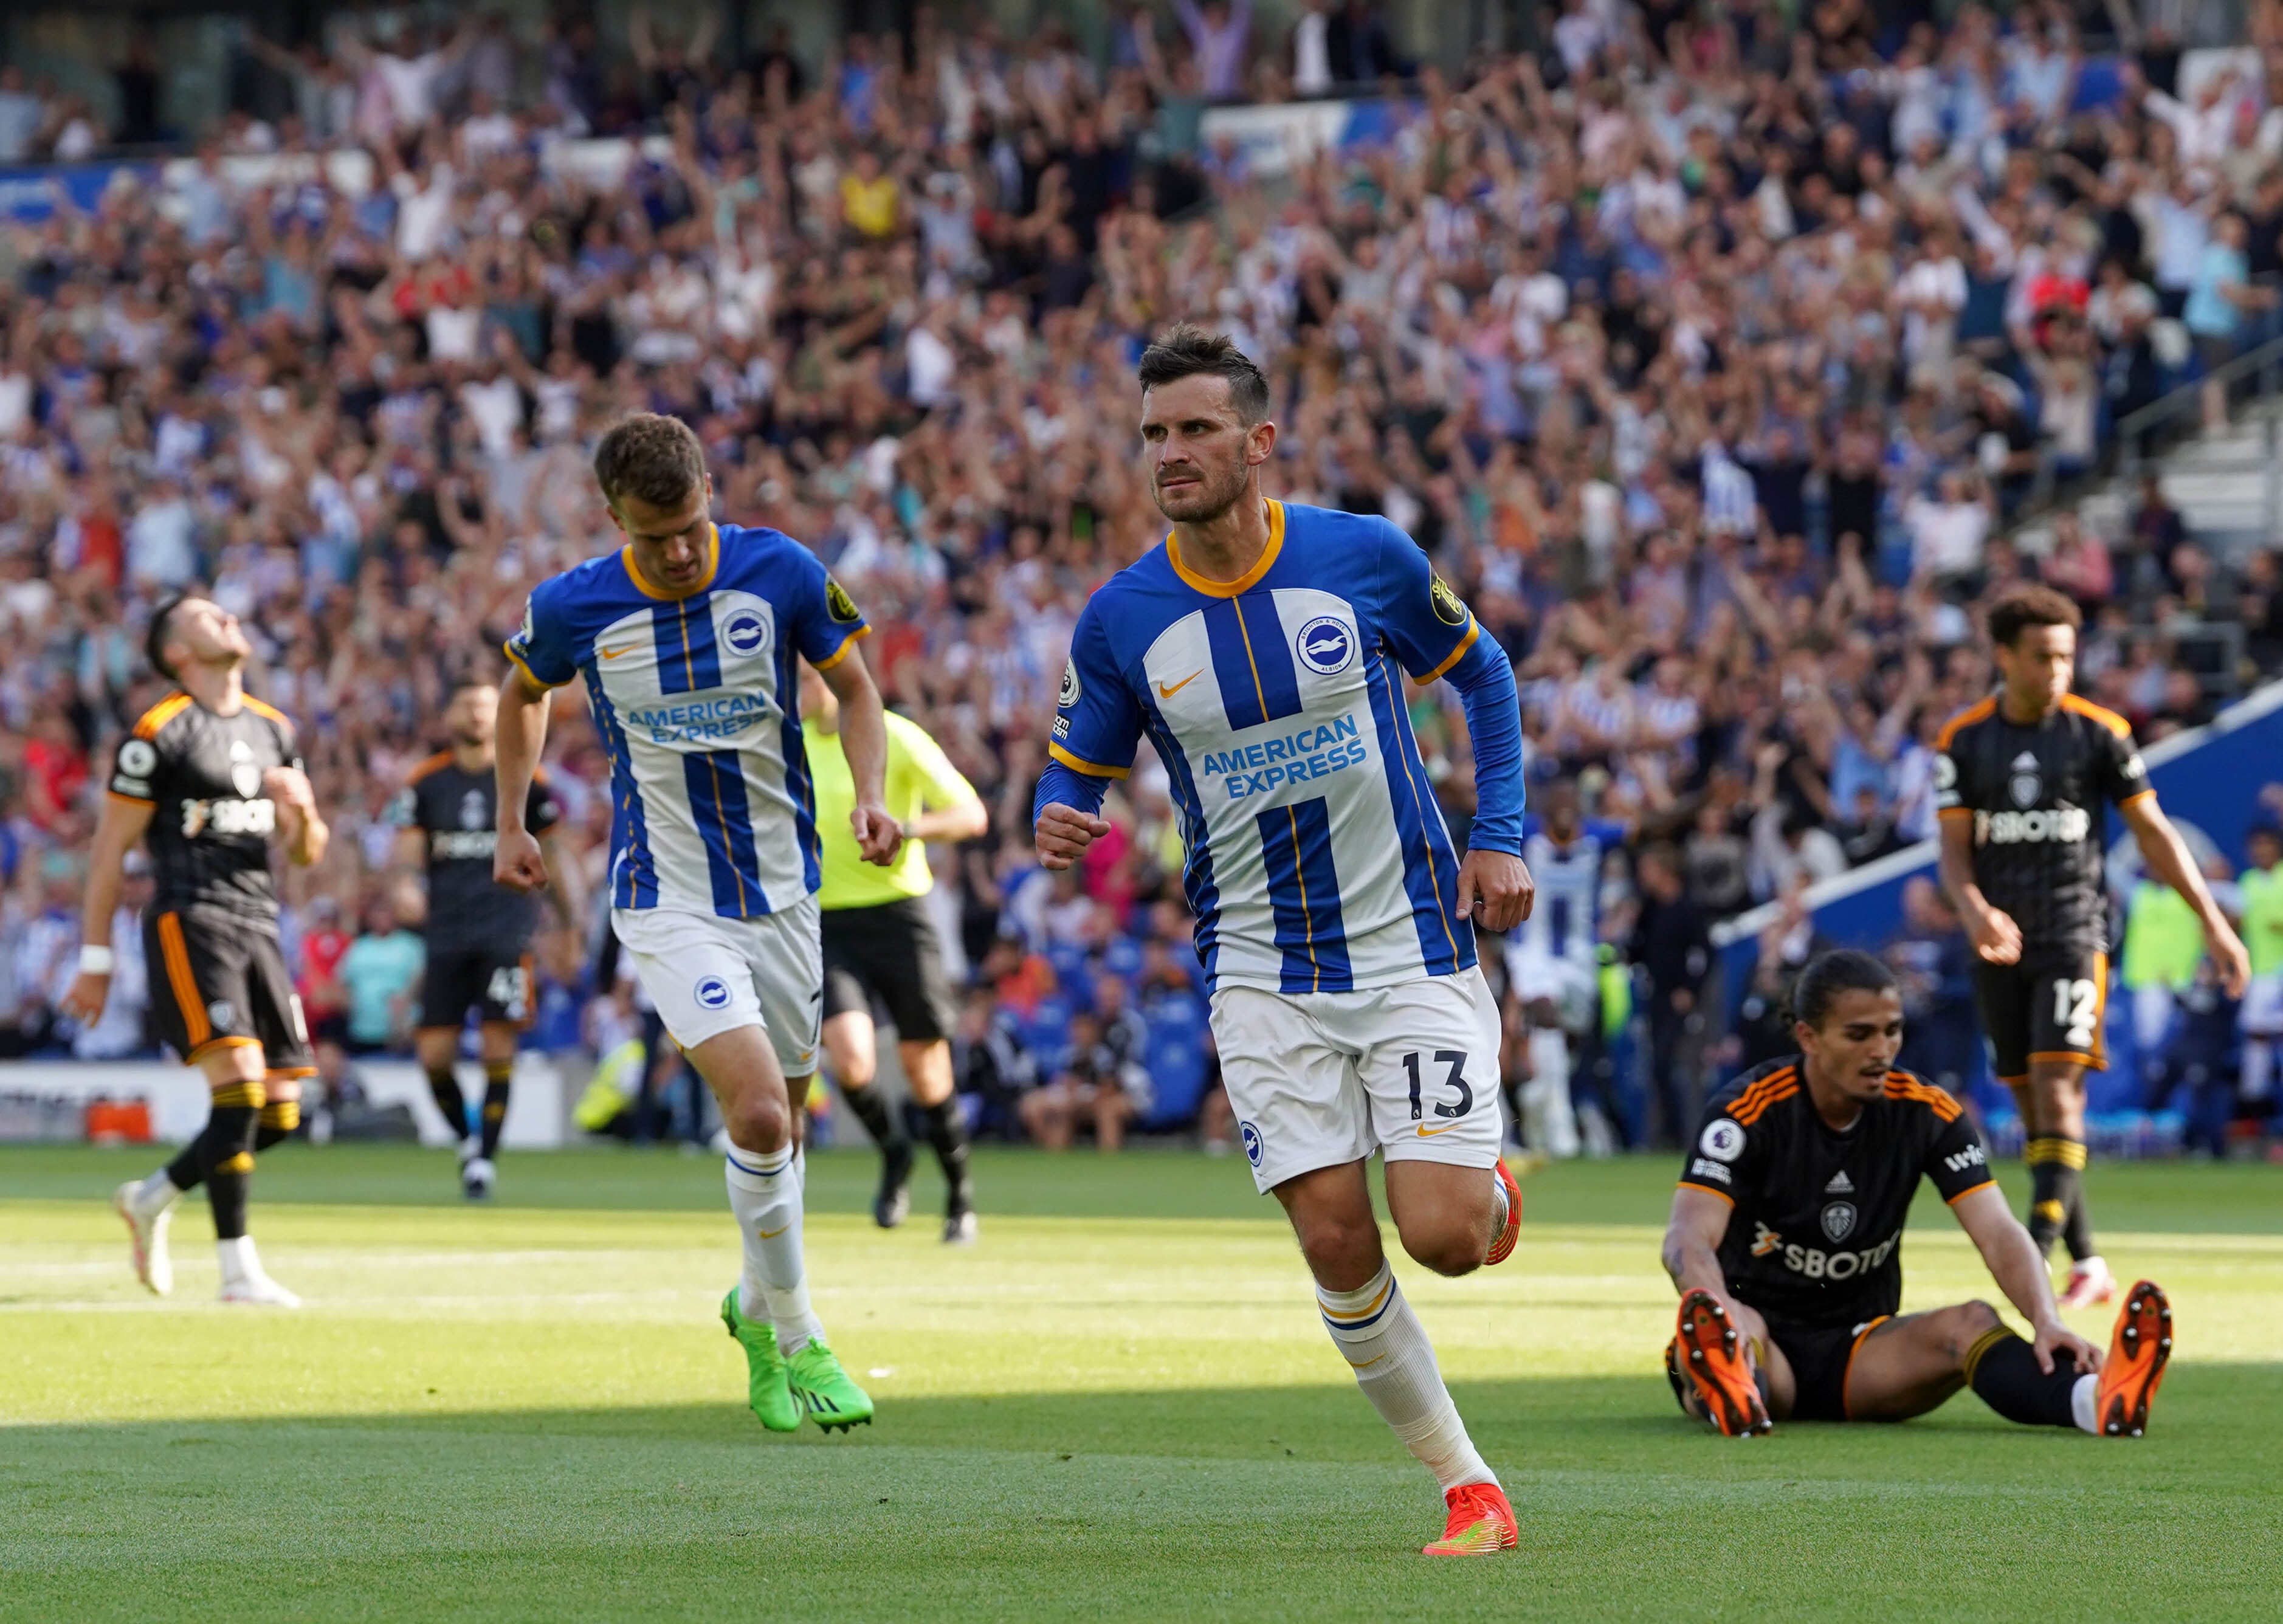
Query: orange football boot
{"points": [[2137, 1356], [1714, 1363], [1502, 1248], [1482, 1523]]}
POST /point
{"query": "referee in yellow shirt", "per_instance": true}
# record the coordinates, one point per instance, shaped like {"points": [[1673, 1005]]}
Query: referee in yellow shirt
{"points": [[880, 944]]}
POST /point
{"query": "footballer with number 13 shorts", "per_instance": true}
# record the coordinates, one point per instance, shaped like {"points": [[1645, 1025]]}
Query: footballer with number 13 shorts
{"points": [[1258, 648], [2019, 784]]}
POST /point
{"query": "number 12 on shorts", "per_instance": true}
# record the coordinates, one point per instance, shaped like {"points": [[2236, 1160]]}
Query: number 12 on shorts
{"points": [[2077, 1004], [1455, 1079]]}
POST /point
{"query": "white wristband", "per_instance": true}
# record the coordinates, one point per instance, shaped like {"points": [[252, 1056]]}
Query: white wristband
{"points": [[95, 960]]}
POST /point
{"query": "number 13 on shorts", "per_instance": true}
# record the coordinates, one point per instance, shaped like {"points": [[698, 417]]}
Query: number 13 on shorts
{"points": [[1455, 1079]]}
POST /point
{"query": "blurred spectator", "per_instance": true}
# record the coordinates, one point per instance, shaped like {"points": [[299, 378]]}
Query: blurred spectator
{"points": [[1934, 963], [1674, 951], [1099, 1083], [1711, 357], [379, 973], [123, 1030]]}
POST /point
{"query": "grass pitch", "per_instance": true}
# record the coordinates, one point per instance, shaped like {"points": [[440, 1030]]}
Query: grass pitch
{"points": [[1121, 1405]]}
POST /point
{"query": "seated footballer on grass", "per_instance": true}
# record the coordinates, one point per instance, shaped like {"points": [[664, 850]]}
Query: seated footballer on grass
{"points": [[1786, 1236]]}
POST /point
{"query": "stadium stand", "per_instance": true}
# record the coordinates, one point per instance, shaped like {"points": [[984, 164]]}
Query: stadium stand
{"points": [[1724, 366]]}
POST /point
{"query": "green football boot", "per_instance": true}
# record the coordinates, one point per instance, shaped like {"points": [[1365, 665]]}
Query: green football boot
{"points": [[767, 1388], [823, 1388]]}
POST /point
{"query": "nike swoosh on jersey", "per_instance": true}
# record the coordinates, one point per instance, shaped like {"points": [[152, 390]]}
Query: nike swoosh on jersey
{"points": [[1167, 692], [613, 654]]}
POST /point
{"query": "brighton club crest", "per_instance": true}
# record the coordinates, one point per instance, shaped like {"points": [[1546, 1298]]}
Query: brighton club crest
{"points": [[2025, 785]]}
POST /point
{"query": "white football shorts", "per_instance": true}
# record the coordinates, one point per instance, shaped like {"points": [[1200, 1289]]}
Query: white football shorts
{"points": [[1573, 989], [2262, 1005], [1317, 1079], [708, 975]]}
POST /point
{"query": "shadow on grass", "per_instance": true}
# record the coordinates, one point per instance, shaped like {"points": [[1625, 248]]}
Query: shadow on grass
{"points": [[1256, 1503]]}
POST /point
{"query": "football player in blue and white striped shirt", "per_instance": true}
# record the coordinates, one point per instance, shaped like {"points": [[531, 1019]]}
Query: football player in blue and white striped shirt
{"points": [[688, 638], [1262, 650]]}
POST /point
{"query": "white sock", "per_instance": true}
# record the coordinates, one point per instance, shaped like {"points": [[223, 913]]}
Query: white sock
{"points": [[238, 1259], [765, 1196], [1378, 1334], [1547, 1117], [2084, 1403], [155, 1194]]}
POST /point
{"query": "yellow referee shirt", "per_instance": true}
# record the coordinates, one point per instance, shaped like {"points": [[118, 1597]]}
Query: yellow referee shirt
{"points": [[920, 778]]}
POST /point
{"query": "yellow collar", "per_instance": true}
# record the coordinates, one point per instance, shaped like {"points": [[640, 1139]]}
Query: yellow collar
{"points": [[1243, 583], [712, 564]]}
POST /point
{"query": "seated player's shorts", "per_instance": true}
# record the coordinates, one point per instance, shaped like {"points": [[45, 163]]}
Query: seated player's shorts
{"points": [[708, 975], [2050, 1006], [889, 952], [1318, 1079], [2262, 1005], [1821, 1356], [1572, 988], [492, 981], [218, 981]]}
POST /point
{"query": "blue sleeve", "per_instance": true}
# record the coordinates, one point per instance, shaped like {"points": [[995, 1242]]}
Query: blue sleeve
{"points": [[1097, 725], [826, 622], [1485, 680], [543, 647], [1058, 782], [1428, 627]]}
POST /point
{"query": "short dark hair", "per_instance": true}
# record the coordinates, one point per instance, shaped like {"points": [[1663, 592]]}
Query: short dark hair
{"points": [[2019, 608], [471, 676], [1186, 351], [154, 635], [653, 457], [1844, 969]]}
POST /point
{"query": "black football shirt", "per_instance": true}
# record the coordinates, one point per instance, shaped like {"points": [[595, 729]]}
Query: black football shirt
{"points": [[212, 819], [2037, 796], [455, 811], [1817, 1232]]}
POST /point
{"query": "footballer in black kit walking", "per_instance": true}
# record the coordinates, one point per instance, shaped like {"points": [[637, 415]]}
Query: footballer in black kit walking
{"points": [[2020, 781], [208, 777], [478, 932], [1786, 1239]]}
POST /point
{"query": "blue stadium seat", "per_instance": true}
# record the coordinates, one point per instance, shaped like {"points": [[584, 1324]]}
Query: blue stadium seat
{"points": [[1046, 1033], [1122, 958], [1176, 1064]]}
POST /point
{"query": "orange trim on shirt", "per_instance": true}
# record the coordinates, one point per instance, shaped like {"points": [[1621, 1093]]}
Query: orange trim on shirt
{"points": [[846, 644], [712, 568], [1243, 583], [536, 680], [2106, 718], [1078, 765], [158, 716], [1979, 711], [1474, 630]]}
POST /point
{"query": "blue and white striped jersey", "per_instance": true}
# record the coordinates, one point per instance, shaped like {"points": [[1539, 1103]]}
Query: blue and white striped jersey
{"points": [[1566, 920], [1317, 860], [695, 699]]}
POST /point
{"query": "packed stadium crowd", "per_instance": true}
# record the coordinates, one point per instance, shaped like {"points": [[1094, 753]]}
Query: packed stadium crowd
{"points": [[1713, 360]]}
